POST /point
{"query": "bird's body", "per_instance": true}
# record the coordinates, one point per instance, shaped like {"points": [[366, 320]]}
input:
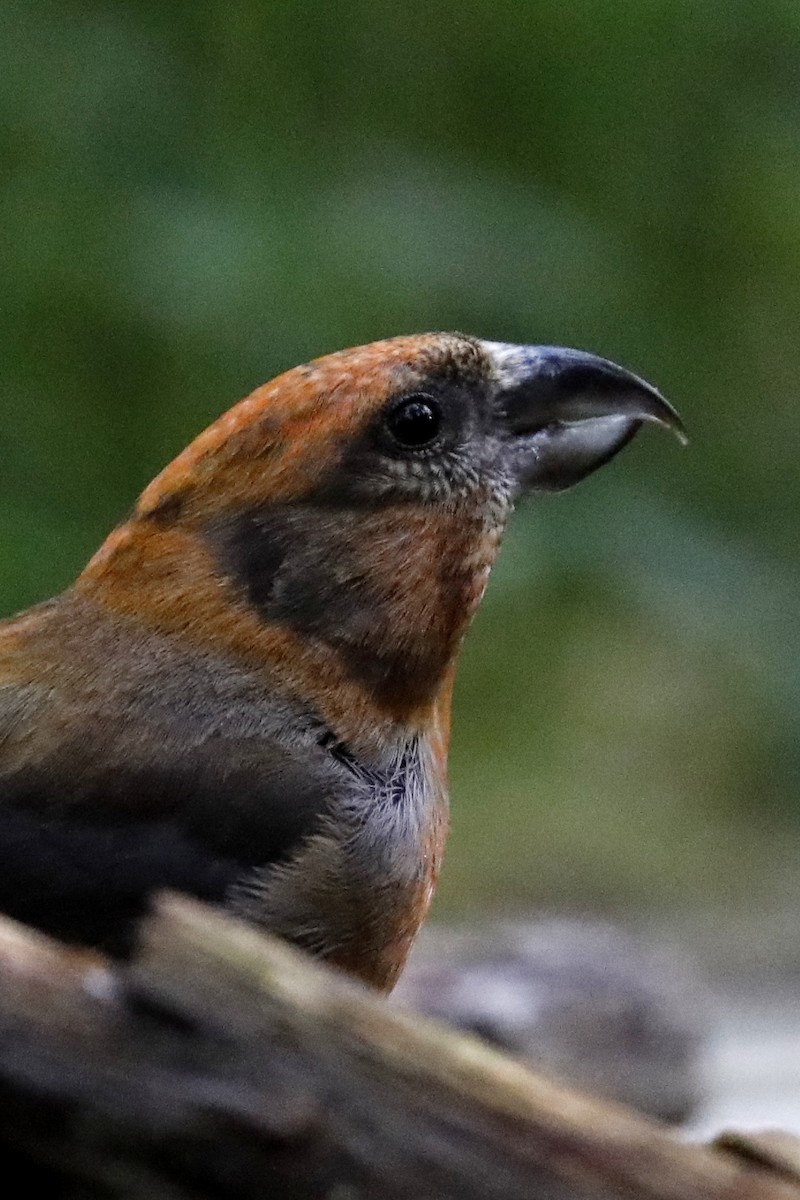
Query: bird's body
{"points": [[246, 694]]}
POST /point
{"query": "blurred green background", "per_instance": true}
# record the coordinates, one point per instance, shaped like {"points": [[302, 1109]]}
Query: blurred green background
{"points": [[197, 196]]}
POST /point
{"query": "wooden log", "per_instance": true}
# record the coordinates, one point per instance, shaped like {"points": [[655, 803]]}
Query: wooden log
{"points": [[224, 1063]]}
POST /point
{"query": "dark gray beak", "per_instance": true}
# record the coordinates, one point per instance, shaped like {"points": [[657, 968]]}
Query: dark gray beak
{"points": [[568, 412]]}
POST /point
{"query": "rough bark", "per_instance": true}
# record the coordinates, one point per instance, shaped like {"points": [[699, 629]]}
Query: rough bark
{"points": [[223, 1063]]}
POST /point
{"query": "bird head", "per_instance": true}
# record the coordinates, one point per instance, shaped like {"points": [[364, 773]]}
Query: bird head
{"points": [[337, 527]]}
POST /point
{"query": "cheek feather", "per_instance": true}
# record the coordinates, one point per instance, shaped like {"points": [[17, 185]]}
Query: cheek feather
{"points": [[478, 566], [385, 593]]}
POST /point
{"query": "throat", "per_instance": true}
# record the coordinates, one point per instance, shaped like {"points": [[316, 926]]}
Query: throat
{"points": [[379, 599]]}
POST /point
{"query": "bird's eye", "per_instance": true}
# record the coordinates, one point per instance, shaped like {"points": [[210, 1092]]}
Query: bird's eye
{"points": [[415, 422]]}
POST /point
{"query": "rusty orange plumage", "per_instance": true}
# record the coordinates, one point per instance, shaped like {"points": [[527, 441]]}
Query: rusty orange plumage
{"points": [[246, 693]]}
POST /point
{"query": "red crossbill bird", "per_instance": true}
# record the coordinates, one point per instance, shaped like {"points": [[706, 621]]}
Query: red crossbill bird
{"points": [[246, 694]]}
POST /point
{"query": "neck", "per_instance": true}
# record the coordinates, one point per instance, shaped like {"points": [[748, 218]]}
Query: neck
{"points": [[341, 607]]}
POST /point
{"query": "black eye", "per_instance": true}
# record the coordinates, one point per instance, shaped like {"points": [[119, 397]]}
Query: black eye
{"points": [[415, 422]]}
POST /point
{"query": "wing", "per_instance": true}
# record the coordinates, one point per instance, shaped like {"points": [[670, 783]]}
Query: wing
{"points": [[123, 773], [82, 865]]}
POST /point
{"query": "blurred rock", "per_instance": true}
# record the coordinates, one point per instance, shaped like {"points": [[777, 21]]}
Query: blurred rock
{"points": [[586, 1002]]}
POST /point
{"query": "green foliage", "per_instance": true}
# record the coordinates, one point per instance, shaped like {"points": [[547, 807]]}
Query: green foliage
{"points": [[196, 196]]}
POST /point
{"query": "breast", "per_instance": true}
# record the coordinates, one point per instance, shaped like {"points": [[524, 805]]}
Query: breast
{"points": [[358, 890]]}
